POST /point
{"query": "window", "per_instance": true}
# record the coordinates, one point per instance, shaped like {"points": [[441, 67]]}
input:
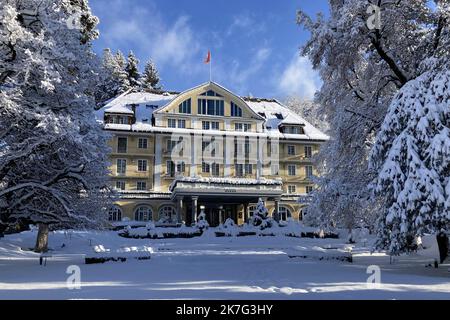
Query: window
{"points": [[251, 210], [292, 189], [205, 167], [167, 214], [245, 127], [170, 168], [309, 189], [239, 170], [308, 152], [185, 107], [285, 213], [141, 185], [274, 169], [172, 123], [235, 110], [181, 167], [205, 125], [143, 213], [120, 185], [171, 144], [211, 93], [214, 125], [181, 123], [248, 168], [291, 150], [292, 170], [115, 214], [123, 120], [211, 107], [142, 165], [143, 143], [309, 171], [122, 145], [215, 167], [121, 166]]}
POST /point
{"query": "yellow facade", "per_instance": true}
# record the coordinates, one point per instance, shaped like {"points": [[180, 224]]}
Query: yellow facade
{"points": [[207, 133]]}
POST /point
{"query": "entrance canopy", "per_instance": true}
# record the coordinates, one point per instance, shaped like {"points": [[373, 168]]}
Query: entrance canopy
{"points": [[226, 188]]}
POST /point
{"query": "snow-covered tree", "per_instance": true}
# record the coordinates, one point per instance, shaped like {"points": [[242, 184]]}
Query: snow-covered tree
{"points": [[261, 217], [53, 154], [202, 223], [362, 68], [132, 70], [113, 76], [412, 158], [150, 77]]}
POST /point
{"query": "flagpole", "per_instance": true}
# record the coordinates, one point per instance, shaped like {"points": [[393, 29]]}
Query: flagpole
{"points": [[210, 69]]}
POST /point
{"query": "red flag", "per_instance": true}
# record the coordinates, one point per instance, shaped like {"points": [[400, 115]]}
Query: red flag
{"points": [[208, 57]]}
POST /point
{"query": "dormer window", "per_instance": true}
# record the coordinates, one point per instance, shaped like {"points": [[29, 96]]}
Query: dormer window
{"points": [[236, 111]]}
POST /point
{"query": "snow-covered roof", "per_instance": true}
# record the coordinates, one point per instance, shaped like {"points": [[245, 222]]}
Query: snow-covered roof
{"points": [[277, 114], [230, 181], [146, 103]]}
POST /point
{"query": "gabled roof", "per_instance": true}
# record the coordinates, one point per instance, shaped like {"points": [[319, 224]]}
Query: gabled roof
{"points": [[211, 85]]}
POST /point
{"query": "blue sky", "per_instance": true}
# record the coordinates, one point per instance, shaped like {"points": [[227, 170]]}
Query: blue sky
{"points": [[254, 43]]}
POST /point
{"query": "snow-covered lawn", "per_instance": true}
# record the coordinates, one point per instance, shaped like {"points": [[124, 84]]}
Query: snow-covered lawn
{"points": [[211, 268]]}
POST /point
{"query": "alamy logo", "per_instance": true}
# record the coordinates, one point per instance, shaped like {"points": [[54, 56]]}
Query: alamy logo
{"points": [[74, 279], [374, 20], [374, 280]]}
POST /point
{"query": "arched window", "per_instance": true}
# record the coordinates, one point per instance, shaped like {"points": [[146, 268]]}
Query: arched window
{"points": [[285, 213], [167, 214], [143, 213], [115, 214]]}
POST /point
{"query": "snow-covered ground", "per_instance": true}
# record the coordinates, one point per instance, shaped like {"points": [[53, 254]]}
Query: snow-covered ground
{"points": [[212, 268]]}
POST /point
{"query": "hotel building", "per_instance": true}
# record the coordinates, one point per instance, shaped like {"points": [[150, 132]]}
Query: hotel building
{"points": [[174, 153]]}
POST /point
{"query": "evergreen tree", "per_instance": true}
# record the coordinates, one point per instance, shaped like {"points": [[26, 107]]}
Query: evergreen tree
{"points": [[53, 154], [132, 70], [261, 217], [150, 77], [121, 72], [412, 158]]}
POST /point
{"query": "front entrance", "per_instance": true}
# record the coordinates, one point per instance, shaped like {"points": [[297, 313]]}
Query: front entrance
{"points": [[215, 213]]}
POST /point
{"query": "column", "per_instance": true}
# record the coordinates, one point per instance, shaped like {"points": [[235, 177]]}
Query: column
{"points": [[179, 208], [194, 209], [246, 217], [276, 213]]}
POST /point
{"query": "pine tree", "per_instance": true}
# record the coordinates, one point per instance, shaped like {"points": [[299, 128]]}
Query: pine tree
{"points": [[53, 154], [412, 158], [150, 77], [132, 70], [261, 217], [121, 73]]}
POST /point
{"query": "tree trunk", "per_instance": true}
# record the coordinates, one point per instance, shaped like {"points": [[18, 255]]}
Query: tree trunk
{"points": [[42, 238]]}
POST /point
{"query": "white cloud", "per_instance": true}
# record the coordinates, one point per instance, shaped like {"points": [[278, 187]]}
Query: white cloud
{"points": [[177, 45], [144, 30], [299, 79], [239, 76], [246, 23]]}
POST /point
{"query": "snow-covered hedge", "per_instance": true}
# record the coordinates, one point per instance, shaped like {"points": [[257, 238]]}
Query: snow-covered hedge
{"points": [[152, 232]]}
